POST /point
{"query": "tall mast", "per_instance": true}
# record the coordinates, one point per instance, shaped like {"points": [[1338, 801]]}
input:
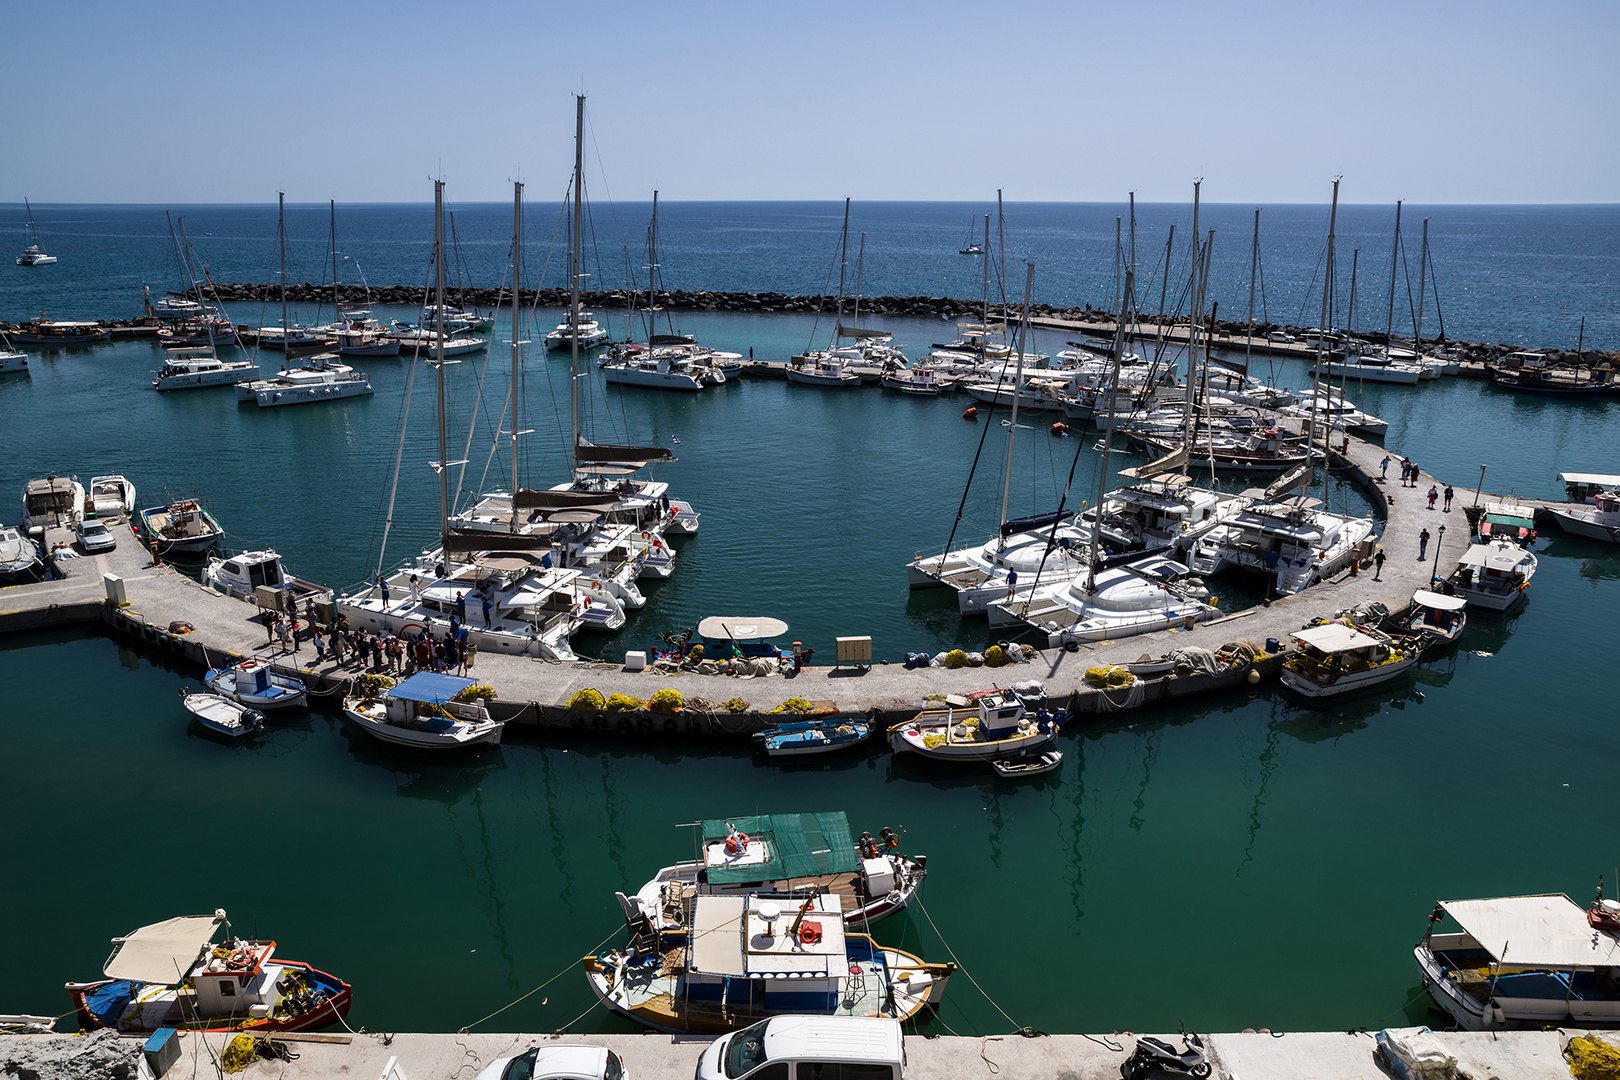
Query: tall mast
{"points": [[1350, 319], [1018, 390], [1321, 338], [860, 262], [986, 300], [335, 305], [652, 270], [1254, 272], [438, 364], [1001, 277], [573, 273], [843, 262], [1108, 432], [1423, 280], [1394, 263], [1119, 258], [1133, 236], [281, 237], [1192, 329], [1164, 289], [517, 340]]}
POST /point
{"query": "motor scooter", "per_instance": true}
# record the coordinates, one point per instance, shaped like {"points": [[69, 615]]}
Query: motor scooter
{"points": [[1157, 1056]]}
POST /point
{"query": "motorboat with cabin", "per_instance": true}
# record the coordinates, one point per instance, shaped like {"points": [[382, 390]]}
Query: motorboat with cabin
{"points": [[920, 381], [243, 575], [1586, 487], [172, 974], [12, 362], [192, 369], [322, 379], [669, 362], [54, 502], [1134, 594], [424, 712], [589, 332], [1435, 619], [995, 724], [1493, 575], [1293, 541], [1521, 962], [254, 683], [19, 556], [742, 959], [1335, 659], [784, 853], [1164, 511], [180, 527], [1598, 520], [1334, 412]]}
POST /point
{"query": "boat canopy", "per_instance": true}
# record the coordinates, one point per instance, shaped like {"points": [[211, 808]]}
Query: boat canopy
{"points": [[861, 332], [1545, 931], [740, 628], [1504, 558], [622, 455], [1437, 601], [431, 687], [1334, 638], [495, 540], [671, 339], [1591, 479], [163, 952], [531, 498], [797, 846]]}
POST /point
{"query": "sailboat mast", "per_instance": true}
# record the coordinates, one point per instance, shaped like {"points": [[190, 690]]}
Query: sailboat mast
{"points": [[438, 364], [652, 269], [1001, 274], [335, 304], [1192, 328], [281, 238], [517, 341], [843, 262], [1254, 273], [573, 273], [1108, 431], [985, 303], [1164, 291], [1018, 390], [1321, 337], [1423, 280], [1394, 264], [860, 263], [1133, 235], [193, 272], [1350, 319]]}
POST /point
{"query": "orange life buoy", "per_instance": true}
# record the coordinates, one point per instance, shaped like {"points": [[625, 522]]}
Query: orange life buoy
{"points": [[736, 843], [596, 583], [645, 535], [249, 665], [810, 933]]}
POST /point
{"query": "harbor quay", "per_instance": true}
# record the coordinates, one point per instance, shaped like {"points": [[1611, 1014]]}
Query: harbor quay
{"points": [[157, 600], [1249, 1055]]}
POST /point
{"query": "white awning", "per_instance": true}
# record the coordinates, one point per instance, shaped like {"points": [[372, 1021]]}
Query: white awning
{"points": [[1334, 637], [1595, 479], [740, 627], [163, 952], [1437, 601], [717, 935], [1546, 931], [1504, 558]]}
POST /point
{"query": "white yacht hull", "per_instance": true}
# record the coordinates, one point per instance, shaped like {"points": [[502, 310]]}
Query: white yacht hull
{"points": [[1591, 529], [656, 380], [273, 397], [195, 380]]}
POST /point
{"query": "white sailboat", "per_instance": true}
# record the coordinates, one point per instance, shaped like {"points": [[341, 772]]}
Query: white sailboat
{"points": [[33, 254]]}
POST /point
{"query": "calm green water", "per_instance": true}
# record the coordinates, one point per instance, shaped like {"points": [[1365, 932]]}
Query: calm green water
{"points": [[1244, 861]]}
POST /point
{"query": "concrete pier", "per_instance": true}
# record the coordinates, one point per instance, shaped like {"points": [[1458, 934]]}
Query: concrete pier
{"points": [[1336, 1055], [535, 692]]}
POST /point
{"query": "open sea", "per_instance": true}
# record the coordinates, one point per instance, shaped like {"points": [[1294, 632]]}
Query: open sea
{"points": [[1235, 861]]}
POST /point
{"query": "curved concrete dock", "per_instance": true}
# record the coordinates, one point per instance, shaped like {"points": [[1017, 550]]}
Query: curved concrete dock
{"points": [[536, 692]]}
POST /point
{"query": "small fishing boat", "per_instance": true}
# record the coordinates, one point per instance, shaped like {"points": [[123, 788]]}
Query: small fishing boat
{"points": [[1438, 620], [741, 959], [917, 381], [19, 556], [182, 526], [782, 852], [422, 712], [820, 370], [242, 575], [1586, 487], [221, 714], [54, 502], [1599, 520], [996, 726], [43, 331], [253, 683], [1493, 575], [1522, 962], [1334, 660], [172, 975], [802, 737], [1026, 765]]}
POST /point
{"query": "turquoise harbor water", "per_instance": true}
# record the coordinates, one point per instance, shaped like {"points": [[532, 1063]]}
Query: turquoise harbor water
{"points": [[1235, 861]]}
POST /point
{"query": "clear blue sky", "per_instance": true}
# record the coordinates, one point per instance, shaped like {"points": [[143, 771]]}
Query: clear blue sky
{"points": [[185, 102]]}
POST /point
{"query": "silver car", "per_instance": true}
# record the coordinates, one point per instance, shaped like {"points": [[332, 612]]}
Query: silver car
{"points": [[94, 535], [558, 1063]]}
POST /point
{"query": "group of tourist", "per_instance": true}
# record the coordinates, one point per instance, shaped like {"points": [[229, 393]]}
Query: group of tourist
{"points": [[383, 652]]}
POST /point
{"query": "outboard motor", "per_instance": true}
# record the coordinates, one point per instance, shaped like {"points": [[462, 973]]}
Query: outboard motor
{"points": [[1155, 1055]]}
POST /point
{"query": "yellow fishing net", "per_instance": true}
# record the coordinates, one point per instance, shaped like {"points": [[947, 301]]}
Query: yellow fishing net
{"points": [[1592, 1059], [1112, 677]]}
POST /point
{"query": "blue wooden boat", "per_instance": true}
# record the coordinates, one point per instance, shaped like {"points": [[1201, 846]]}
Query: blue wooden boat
{"points": [[800, 737], [254, 684]]}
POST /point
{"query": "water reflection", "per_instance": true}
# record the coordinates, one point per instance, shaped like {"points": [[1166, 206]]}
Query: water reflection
{"points": [[1488, 632], [1329, 721], [1598, 561], [1268, 766]]}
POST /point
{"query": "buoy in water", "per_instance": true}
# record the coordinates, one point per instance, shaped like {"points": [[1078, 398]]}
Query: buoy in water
{"points": [[1060, 428], [972, 413]]}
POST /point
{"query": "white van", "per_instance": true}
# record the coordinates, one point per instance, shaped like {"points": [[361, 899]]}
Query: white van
{"points": [[808, 1048]]}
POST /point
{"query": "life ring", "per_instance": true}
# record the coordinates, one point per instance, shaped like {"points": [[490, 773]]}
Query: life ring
{"points": [[248, 665], [240, 959], [645, 535], [596, 583], [810, 933], [736, 843]]}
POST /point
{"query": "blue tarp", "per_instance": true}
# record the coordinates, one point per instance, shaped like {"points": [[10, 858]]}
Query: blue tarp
{"points": [[429, 687]]}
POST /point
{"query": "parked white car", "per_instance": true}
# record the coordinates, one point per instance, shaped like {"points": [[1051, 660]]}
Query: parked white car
{"points": [[806, 1047], [1280, 336], [95, 536], [565, 1062]]}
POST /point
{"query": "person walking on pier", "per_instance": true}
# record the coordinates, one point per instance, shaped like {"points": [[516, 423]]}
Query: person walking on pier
{"points": [[1378, 562], [293, 629], [1423, 544], [1434, 493], [1449, 494], [319, 643], [337, 646], [1406, 470], [281, 630], [270, 627], [1383, 468]]}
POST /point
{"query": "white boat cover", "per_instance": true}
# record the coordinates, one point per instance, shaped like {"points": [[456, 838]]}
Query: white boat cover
{"points": [[1545, 931], [163, 952], [1440, 603], [1334, 637], [740, 628], [1588, 478], [1504, 558], [717, 934]]}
